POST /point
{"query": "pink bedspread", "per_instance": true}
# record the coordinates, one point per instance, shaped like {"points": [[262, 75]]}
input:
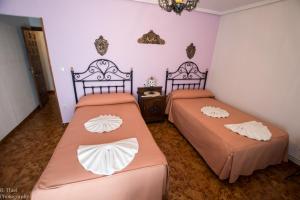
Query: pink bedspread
{"points": [[228, 154], [64, 177]]}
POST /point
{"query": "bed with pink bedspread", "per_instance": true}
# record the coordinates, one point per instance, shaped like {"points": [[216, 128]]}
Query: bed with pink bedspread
{"points": [[144, 178], [64, 177], [227, 153]]}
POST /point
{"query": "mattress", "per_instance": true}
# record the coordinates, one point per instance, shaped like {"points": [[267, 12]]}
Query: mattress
{"points": [[64, 177], [228, 154]]}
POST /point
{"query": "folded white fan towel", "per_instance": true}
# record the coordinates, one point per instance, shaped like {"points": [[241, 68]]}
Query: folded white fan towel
{"points": [[216, 112], [103, 123], [253, 129], [105, 159]]}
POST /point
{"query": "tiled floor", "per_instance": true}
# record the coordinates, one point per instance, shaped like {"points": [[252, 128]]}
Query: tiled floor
{"points": [[25, 153]]}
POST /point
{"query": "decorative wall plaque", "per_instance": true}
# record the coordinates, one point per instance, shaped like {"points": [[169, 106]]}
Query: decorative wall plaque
{"points": [[151, 38], [190, 51], [101, 45]]}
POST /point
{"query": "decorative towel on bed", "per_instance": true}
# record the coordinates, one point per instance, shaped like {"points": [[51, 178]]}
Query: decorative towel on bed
{"points": [[105, 159], [215, 112], [253, 129], [103, 123]]}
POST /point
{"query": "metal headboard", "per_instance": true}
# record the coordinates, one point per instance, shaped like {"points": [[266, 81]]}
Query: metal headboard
{"points": [[187, 76], [102, 75]]}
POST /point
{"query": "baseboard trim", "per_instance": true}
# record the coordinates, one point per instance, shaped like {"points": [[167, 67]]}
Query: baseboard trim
{"points": [[294, 160]]}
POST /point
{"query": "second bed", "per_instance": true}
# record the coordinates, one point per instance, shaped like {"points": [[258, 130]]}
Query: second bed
{"points": [[228, 154]]}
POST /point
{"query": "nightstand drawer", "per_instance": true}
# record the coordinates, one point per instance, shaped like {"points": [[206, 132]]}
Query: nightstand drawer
{"points": [[153, 108]]}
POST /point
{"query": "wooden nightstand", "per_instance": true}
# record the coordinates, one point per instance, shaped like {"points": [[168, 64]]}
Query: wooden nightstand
{"points": [[153, 108]]}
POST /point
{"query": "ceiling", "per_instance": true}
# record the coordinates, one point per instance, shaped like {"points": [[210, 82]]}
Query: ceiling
{"points": [[221, 7], [225, 5]]}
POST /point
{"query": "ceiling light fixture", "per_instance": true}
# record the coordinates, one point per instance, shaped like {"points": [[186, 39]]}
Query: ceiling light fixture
{"points": [[178, 5]]}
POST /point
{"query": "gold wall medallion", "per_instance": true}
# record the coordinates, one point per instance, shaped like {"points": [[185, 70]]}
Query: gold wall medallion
{"points": [[101, 45], [151, 38], [190, 51]]}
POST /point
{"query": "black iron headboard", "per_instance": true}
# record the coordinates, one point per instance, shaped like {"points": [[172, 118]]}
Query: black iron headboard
{"points": [[187, 76], [102, 75]]}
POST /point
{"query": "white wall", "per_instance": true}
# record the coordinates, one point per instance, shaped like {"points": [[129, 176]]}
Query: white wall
{"points": [[17, 93], [256, 65]]}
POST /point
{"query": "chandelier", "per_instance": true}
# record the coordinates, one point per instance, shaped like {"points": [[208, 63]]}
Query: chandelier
{"points": [[178, 5]]}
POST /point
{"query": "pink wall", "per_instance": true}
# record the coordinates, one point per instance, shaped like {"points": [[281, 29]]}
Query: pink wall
{"points": [[71, 27]]}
